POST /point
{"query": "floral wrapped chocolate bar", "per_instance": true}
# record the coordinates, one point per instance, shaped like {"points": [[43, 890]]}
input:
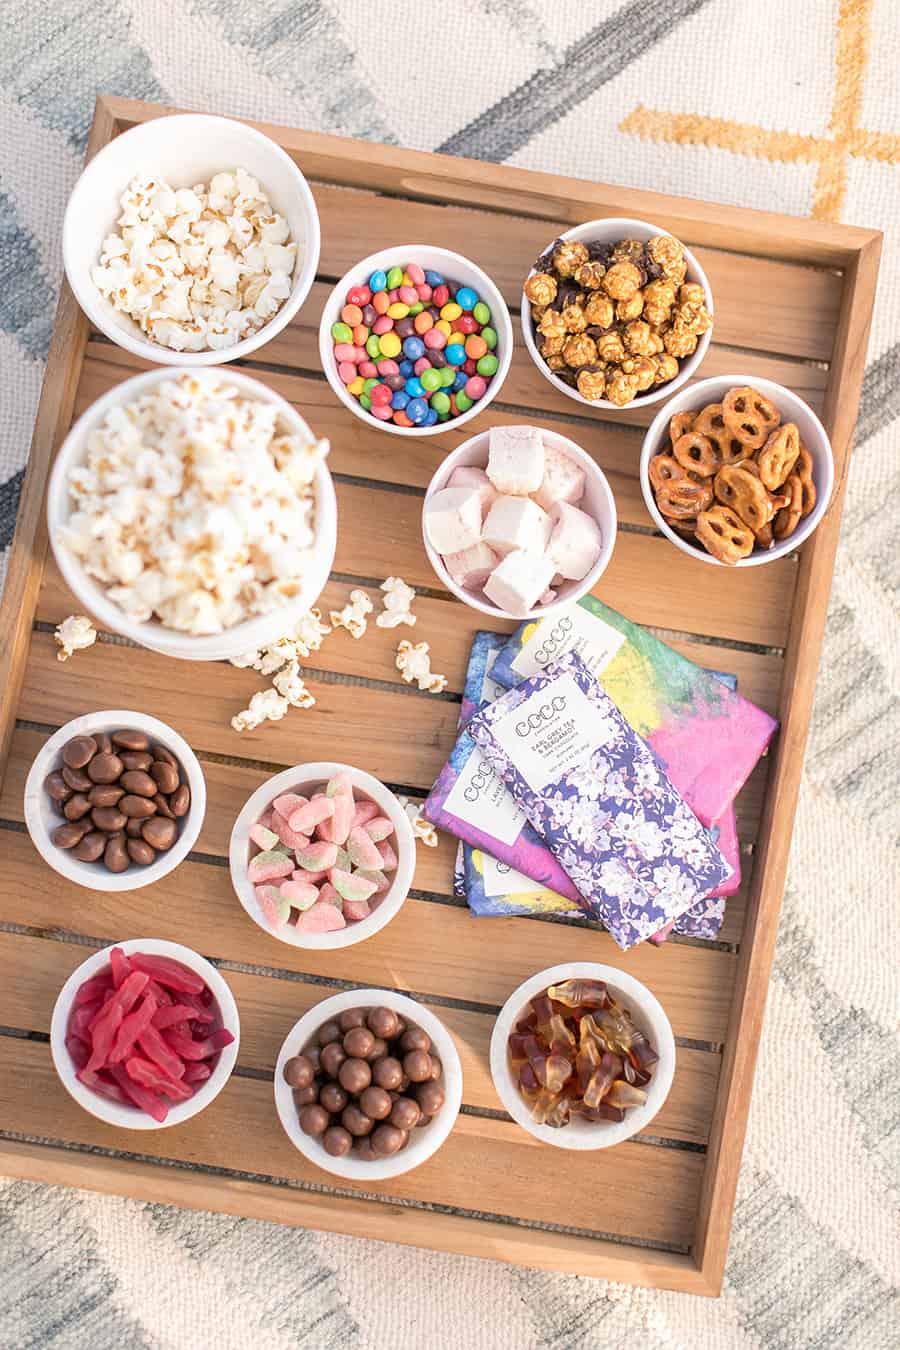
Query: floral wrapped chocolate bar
{"points": [[596, 793]]}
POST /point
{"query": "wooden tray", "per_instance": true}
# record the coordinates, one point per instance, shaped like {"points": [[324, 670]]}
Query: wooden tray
{"points": [[793, 300]]}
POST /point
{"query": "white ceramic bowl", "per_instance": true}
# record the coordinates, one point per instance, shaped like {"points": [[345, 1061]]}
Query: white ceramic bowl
{"points": [[648, 1016], [302, 779], [792, 409], [255, 632], [184, 150], [42, 820], [451, 265], [423, 1141], [610, 231], [598, 501], [128, 1117]]}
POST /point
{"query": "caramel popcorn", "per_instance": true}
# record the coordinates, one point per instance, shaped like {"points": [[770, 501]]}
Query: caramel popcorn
{"points": [[556, 363], [668, 255], [680, 342], [691, 293], [628, 250], [580, 350], [627, 310], [666, 369], [692, 318], [541, 289], [591, 384], [551, 324], [610, 348], [639, 339], [622, 281], [568, 256], [644, 370], [552, 346], [590, 275], [574, 319], [659, 298], [621, 387]]}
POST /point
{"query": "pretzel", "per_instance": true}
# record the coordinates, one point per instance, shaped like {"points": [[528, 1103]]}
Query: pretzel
{"points": [[711, 424], [738, 487], [764, 537], [697, 452], [749, 415], [723, 535], [683, 498], [663, 469], [803, 470], [788, 517], [679, 425], [687, 528], [779, 455]]}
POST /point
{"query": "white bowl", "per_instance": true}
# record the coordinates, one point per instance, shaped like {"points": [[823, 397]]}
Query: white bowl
{"points": [[648, 1016], [42, 820], [423, 1141], [792, 409], [184, 150], [299, 779], [128, 1117], [452, 265], [610, 231], [598, 501], [255, 632]]}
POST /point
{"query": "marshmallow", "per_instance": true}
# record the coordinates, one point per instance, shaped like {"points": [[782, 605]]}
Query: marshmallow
{"points": [[575, 543], [517, 584], [516, 523], [471, 567], [467, 475], [516, 460], [453, 519], [563, 480]]}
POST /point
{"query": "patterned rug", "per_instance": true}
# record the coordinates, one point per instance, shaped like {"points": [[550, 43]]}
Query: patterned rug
{"points": [[788, 105]]}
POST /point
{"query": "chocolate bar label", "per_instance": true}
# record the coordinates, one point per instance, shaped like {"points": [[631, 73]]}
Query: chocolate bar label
{"points": [[481, 798], [576, 629], [554, 730]]}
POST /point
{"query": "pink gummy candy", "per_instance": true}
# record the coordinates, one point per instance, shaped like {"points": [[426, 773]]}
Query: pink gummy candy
{"points": [[341, 785], [378, 828], [320, 854], [276, 908], [307, 817], [352, 886], [329, 896], [268, 866], [365, 811], [322, 918], [362, 849], [287, 804], [263, 836], [337, 828], [354, 910], [288, 836], [301, 894], [265, 819], [388, 856], [305, 874]]}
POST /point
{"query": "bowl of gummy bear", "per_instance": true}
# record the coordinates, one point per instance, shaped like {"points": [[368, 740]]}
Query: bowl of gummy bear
{"points": [[144, 1034], [415, 339], [582, 1056], [322, 855]]}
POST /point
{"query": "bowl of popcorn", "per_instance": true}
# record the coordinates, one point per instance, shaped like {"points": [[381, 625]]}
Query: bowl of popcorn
{"points": [[518, 521], [191, 240], [415, 340], [192, 511], [616, 313], [736, 471], [322, 856]]}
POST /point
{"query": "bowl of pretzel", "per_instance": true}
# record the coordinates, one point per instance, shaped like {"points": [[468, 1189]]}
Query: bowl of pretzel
{"points": [[736, 470]]}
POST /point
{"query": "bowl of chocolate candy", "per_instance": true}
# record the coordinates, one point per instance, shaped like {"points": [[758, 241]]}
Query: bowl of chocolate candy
{"points": [[114, 800], [582, 1056], [617, 313], [368, 1084]]}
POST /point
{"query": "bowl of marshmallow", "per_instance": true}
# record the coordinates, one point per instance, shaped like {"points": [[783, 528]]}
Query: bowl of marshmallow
{"points": [[519, 521]]}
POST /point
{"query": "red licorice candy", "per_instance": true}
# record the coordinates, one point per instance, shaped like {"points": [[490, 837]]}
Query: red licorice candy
{"points": [[142, 1033]]}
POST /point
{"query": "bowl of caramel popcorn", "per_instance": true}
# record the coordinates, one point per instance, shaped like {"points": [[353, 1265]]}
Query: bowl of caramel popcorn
{"points": [[617, 314]]}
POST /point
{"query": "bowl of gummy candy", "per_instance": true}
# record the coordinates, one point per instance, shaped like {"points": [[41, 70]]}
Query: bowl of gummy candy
{"points": [[144, 1034], [415, 339], [368, 1084], [582, 1056], [322, 856]]}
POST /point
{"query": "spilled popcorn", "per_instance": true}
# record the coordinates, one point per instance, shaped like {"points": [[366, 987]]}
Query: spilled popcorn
{"points": [[421, 828], [306, 638], [266, 705], [73, 635], [195, 505], [281, 659], [353, 615], [197, 268], [414, 664], [398, 598]]}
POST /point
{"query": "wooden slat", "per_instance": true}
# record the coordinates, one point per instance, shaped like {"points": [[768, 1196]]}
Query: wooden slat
{"points": [[485, 1164], [229, 785], [692, 983], [32, 971]]}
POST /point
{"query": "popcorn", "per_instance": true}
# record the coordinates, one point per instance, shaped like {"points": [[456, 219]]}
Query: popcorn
{"points": [[453, 519], [197, 268], [421, 828], [516, 523], [398, 598], [414, 664], [519, 581], [575, 542], [353, 615], [195, 505], [73, 635], [266, 705], [305, 639], [290, 685], [516, 460]]}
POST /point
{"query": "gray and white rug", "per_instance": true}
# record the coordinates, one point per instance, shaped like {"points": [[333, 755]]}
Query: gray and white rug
{"points": [[684, 96]]}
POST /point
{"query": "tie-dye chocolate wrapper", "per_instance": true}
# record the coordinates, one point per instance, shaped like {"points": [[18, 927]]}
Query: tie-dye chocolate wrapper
{"points": [[708, 738], [599, 798]]}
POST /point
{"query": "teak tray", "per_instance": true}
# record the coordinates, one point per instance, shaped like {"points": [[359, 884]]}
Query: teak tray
{"points": [[793, 301]]}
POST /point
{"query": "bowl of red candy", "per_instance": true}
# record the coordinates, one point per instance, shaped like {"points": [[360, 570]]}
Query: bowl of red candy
{"points": [[582, 1056], [144, 1034]]}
